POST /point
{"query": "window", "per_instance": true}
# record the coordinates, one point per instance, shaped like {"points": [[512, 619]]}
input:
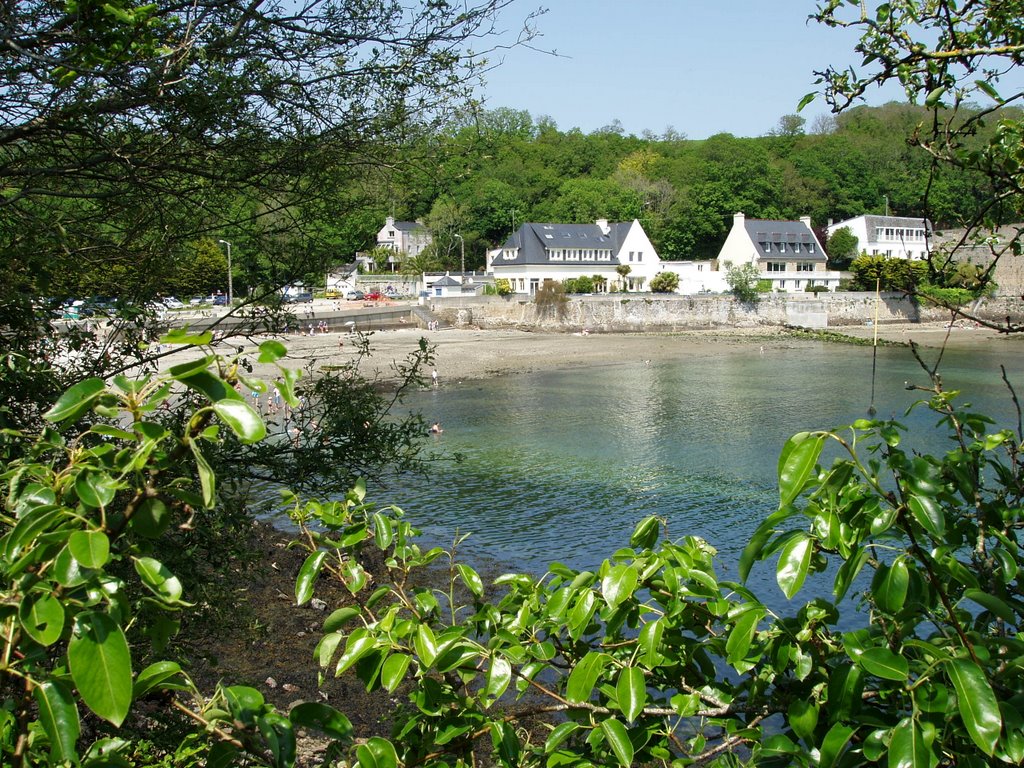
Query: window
{"points": [[782, 247], [391, 233], [776, 266], [806, 267], [630, 255], [639, 256], [810, 247]]}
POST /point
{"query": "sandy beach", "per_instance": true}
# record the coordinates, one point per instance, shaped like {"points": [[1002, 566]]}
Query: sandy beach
{"points": [[463, 354]]}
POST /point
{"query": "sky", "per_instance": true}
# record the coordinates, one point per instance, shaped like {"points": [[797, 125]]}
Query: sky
{"points": [[700, 66]]}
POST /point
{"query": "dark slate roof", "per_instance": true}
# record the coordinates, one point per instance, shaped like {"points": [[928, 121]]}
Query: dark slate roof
{"points": [[871, 222], [408, 226], [789, 232], [533, 240], [447, 282]]}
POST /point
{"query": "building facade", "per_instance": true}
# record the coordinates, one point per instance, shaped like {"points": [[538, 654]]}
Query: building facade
{"points": [[539, 252], [896, 237], [787, 253]]}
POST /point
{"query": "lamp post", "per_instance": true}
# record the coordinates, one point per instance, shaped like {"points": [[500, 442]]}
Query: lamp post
{"points": [[462, 246], [229, 270]]}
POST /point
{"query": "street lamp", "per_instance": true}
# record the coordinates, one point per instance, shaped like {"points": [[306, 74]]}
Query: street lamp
{"points": [[462, 246], [229, 269]]}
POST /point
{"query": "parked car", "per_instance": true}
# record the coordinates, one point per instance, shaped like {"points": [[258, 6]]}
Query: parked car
{"points": [[220, 300], [355, 295], [374, 296], [296, 298], [172, 303]]}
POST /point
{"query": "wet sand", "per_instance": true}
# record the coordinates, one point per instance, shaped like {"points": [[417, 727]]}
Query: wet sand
{"points": [[463, 354]]}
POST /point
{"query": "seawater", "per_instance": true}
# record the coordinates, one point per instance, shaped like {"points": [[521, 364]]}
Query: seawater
{"points": [[560, 465]]}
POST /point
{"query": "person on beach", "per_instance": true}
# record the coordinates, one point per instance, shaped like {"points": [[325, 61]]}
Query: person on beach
{"points": [[433, 376], [435, 428]]}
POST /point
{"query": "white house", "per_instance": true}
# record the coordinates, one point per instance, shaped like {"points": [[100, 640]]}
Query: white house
{"points": [[898, 237], [699, 276], [405, 238], [785, 252], [539, 252]]}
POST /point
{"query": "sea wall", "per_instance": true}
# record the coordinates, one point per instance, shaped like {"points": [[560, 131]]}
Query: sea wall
{"points": [[654, 312]]}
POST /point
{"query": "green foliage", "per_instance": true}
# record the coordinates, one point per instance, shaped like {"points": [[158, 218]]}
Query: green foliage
{"points": [[743, 281], [890, 274], [841, 248], [503, 285], [582, 284], [665, 282], [654, 658]]}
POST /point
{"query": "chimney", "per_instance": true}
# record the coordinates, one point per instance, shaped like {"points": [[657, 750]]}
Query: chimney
{"points": [[603, 224], [806, 221], [737, 219]]}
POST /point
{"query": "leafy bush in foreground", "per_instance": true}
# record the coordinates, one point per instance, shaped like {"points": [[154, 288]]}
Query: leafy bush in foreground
{"points": [[652, 658]]}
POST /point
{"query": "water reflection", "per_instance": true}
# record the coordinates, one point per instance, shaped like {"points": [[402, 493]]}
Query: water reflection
{"points": [[561, 465]]}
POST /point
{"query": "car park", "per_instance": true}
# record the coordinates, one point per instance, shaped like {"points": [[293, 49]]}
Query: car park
{"points": [[355, 295]]}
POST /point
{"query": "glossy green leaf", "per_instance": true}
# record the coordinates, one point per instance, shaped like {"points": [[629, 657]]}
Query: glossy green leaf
{"points": [[337, 619], [271, 351], [161, 675], [184, 336], [42, 617], [992, 604], [927, 513], [307, 577], [617, 736], [159, 579], [393, 672], [794, 564], [58, 715], [471, 579], [619, 584], [883, 663], [76, 400], [245, 703], [377, 753], [583, 677], [425, 644], [645, 535], [803, 718], [906, 746], [499, 675], [214, 388], [101, 666], [796, 464], [558, 735], [383, 531], [358, 644], [834, 744], [890, 584], [242, 419], [95, 489], [631, 691], [650, 642], [323, 718], [976, 702], [151, 519], [741, 635], [207, 479], [90, 548]]}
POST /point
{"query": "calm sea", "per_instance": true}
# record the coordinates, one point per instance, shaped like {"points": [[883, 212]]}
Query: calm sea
{"points": [[559, 466]]}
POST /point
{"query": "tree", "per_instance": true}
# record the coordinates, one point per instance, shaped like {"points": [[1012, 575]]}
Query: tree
{"points": [[959, 61], [623, 271], [665, 282], [743, 280], [841, 248]]}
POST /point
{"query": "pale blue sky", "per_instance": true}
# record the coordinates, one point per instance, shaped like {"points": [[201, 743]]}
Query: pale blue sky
{"points": [[700, 66]]}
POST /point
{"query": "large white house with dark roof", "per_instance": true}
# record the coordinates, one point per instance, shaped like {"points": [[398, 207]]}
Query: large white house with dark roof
{"points": [[539, 252], [897, 237], [405, 238], [785, 252]]}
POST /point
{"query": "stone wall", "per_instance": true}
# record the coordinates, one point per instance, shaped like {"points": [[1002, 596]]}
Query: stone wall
{"points": [[647, 312]]}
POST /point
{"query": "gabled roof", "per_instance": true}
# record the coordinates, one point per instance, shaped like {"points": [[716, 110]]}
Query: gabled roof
{"points": [[407, 226], [534, 240], [776, 231], [447, 282]]}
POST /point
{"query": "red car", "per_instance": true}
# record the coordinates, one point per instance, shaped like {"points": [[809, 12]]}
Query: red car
{"points": [[373, 296]]}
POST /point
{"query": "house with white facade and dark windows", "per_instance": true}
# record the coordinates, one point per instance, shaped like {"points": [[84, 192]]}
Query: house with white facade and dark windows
{"points": [[405, 238], [538, 252], [785, 252], [897, 237]]}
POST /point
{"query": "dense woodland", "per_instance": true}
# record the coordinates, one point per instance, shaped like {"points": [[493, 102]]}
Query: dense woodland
{"points": [[482, 175]]}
